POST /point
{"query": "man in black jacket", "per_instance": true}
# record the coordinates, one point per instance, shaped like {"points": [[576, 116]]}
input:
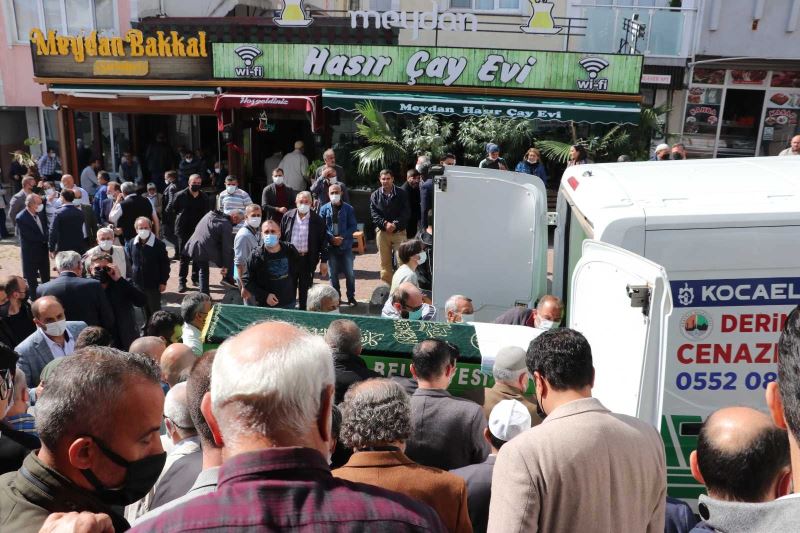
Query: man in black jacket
{"points": [[149, 269], [277, 197], [33, 234], [83, 299], [212, 242], [127, 210], [307, 232], [69, 227], [168, 222], [269, 277], [188, 206], [344, 339], [121, 294], [411, 188], [388, 206]]}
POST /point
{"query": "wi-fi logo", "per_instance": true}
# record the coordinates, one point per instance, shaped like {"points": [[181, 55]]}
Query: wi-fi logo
{"points": [[593, 65], [248, 54]]}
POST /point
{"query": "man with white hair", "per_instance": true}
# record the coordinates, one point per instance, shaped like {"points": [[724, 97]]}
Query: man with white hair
{"points": [[68, 231], [406, 302], [510, 382], [83, 298], [149, 264], [150, 346], [323, 298], [128, 208], [17, 417], [181, 431], [105, 244], [32, 230], [295, 165], [270, 407], [329, 157], [459, 309], [307, 232], [661, 153]]}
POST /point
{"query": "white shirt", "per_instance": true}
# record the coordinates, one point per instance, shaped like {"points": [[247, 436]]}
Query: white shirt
{"points": [[55, 349], [116, 211], [191, 338], [117, 254], [294, 165], [84, 196]]}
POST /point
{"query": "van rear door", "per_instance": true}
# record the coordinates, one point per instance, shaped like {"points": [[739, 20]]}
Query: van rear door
{"points": [[490, 240], [620, 301]]}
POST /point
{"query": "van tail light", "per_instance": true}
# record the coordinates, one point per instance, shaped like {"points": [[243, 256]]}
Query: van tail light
{"points": [[573, 183]]}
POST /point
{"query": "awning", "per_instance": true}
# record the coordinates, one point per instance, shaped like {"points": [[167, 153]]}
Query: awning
{"points": [[595, 112], [115, 92], [288, 102]]}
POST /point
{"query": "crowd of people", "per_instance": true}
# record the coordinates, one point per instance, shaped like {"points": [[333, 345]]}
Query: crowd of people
{"points": [[114, 416]]}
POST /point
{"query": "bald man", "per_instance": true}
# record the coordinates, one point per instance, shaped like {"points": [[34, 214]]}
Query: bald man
{"points": [[741, 457], [152, 347], [174, 360]]}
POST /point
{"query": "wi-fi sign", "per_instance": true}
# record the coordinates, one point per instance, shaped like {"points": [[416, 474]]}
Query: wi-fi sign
{"points": [[248, 54], [593, 65]]}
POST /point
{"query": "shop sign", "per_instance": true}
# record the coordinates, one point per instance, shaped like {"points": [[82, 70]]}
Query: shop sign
{"points": [[785, 78], [429, 66], [163, 55], [780, 117], [748, 77], [657, 79]]}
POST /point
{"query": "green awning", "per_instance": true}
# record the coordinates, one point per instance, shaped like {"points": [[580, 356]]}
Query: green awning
{"points": [[595, 112]]}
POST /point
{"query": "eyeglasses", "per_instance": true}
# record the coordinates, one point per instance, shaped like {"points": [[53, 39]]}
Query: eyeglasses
{"points": [[6, 384]]}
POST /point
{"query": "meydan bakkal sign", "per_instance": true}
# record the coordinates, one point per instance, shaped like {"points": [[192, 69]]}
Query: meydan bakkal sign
{"points": [[430, 66], [163, 55]]}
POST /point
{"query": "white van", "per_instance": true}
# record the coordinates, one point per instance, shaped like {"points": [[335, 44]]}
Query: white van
{"points": [[679, 273]]}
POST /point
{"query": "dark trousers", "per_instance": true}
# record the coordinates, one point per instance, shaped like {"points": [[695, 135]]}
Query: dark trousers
{"points": [[183, 271], [303, 278], [34, 268], [341, 262], [152, 303], [3, 228], [169, 235], [203, 270]]}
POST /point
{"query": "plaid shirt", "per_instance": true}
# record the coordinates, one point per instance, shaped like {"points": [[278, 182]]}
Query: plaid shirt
{"points": [[292, 489], [300, 233], [47, 165]]}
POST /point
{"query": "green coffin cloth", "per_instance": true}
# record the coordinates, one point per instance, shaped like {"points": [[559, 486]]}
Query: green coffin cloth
{"points": [[379, 336]]}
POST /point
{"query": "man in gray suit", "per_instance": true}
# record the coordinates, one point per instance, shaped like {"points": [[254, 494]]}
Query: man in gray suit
{"points": [[447, 432], [507, 419], [54, 337], [583, 468]]}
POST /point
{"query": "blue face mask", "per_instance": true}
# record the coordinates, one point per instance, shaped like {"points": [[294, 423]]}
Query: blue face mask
{"points": [[412, 314], [270, 240]]}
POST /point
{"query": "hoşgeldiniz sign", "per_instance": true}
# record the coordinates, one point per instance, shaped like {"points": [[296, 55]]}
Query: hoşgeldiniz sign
{"points": [[168, 55], [430, 66]]}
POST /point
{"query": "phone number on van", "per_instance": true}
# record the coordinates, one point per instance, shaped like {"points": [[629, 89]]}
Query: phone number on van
{"points": [[723, 380]]}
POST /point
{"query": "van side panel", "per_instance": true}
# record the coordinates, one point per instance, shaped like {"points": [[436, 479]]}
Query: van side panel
{"points": [[732, 289]]}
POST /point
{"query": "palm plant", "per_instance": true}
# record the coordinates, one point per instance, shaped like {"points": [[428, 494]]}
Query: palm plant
{"points": [[428, 134], [513, 135], [383, 146]]}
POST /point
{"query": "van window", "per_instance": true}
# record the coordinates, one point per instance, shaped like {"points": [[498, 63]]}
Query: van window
{"points": [[578, 230]]}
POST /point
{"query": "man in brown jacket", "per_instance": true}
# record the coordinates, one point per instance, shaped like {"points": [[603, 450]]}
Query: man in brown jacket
{"points": [[510, 382], [583, 468], [376, 421]]}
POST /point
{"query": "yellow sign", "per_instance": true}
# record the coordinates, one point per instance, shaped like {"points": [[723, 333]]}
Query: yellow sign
{"points": [[111, 67], [133, 44]]}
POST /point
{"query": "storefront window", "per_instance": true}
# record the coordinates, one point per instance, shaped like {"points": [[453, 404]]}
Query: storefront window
{"points": [[79, 16], [50, 129], [26, 15], [752, 112], [65, 16]]}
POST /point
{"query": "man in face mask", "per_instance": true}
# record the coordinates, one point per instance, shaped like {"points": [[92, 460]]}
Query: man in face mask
{"points": [[305, 229], [189, 166], [149, 265], [188, 207], [277, 197], [268, 275], [340, 223], [16, 311], [678, 151], [233, 199], [547, 314], [459, 309], [105, 244], [406, 303], [54, 337], [247, 239], [33, 232], [90, 463], [121, 294]]}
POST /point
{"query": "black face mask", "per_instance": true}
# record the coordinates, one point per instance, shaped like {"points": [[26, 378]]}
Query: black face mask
{"points": [[676, 156], [101, 275], [140, 477], [194, 188]]}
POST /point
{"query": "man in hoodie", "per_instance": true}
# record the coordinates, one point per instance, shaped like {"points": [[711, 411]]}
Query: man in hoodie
{"points": [[741, 457], [783, 400]]}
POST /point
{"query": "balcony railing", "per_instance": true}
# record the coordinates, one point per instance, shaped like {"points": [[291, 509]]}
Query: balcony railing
{"points": [[669, 31]]}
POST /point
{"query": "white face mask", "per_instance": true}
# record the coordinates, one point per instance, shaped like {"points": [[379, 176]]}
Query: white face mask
{"points": [[467, 318], [333, 179], [423, 256], [105, 244], [50, 193], [277, 180], [39, 208], [76, 202], [143, 234], [230, 189], [334, 312], [335, 198], [546, 325], [254, 222], [55, 329], [303, 209]]}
